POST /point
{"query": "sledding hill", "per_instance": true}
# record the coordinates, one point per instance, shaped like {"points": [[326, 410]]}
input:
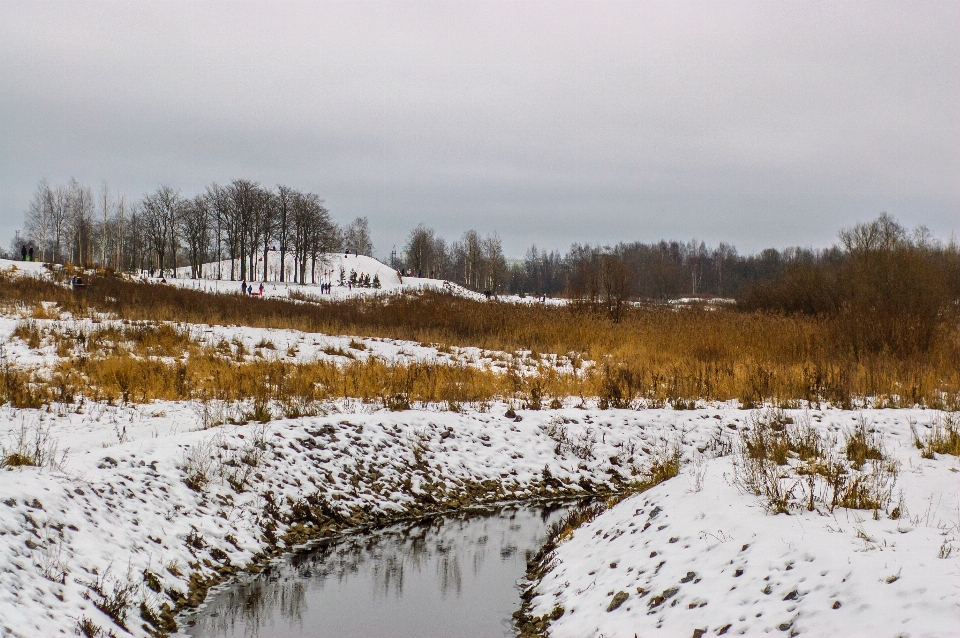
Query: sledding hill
{"points": [[217, 277]]}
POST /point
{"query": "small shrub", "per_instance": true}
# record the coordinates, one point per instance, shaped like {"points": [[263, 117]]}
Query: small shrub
{"points": [[943, 438], [31, 446], [198, 464], [87, 628], [112, 596], [397, 402], [862, 445]]}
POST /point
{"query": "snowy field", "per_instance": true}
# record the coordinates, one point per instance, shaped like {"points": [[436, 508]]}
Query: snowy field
{"points": [[244, 343]]}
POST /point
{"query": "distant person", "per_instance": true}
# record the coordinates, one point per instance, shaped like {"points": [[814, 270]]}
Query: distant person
{"points": [[261, 288], [30, 254], [250, 289], [243, 287], [23, 252]]}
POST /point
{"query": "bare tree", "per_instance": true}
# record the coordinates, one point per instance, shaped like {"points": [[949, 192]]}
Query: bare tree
{"points": [[194, 220], [161, 209], [243, 199], [313, 232], [80, 220], [357, 237], [494, 263], [418, 253], [267, 225], [39, 220], [283, 233], [221, 204], [121, 211], [104, 202]]}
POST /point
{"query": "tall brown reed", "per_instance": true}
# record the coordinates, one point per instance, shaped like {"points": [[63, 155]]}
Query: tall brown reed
{"points": [[656, 354]]}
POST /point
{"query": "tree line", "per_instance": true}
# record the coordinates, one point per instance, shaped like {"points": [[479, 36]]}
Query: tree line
{"points": [[234, 223]]}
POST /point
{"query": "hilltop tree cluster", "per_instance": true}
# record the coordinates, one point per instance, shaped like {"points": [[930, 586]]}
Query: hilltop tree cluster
{"points": [[164, 230]]}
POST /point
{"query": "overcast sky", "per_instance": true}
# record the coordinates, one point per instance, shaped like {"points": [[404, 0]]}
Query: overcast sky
{"points": [[759, 123]]}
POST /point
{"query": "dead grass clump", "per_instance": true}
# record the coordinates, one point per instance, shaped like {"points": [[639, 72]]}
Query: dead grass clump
{"points": [[198, 465], [863, 445], [338, 352], [663, 464], [31, 446], [29, 333], [788, 465], [943, 437], [20, 388], [581, 446], [112, 596]]}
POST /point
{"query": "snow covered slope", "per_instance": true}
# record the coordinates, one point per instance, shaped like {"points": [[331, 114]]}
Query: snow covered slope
{"points": [[27, 267], [217, 277], [114, 514], [697, 554], [703, 554]]}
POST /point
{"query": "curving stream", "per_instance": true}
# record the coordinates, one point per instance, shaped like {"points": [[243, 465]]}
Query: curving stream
{"points": [[451, 576]]}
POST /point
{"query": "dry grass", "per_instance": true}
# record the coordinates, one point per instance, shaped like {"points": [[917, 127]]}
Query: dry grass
{"points": [[791, 465], [652, 355], [943, 437]]}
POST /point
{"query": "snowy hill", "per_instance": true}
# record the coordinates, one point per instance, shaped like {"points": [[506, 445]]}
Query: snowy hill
{"points": [[216, 277], [31, 267]]}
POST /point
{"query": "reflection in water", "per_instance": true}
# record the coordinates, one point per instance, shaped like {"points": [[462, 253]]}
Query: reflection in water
{"points": [[404, 580]]}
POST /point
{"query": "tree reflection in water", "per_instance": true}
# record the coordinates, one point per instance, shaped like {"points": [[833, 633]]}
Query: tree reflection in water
{"points": [[343, 582]]}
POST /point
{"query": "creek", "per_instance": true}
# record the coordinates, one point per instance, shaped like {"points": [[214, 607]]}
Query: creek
{"points": [[445, 577]]}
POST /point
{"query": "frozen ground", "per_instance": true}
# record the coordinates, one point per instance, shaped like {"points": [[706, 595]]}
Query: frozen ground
{"points": [[698, 554]]}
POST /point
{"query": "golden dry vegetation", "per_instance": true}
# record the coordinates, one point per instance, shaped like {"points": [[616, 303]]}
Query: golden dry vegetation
{"points": [[658, 354]]}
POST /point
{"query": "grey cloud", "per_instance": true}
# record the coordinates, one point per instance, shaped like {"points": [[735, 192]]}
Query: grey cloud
{"points": [[753, 123]]}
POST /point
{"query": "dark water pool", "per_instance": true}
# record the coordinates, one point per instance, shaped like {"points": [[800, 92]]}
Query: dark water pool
{"points": [[448, 577]]}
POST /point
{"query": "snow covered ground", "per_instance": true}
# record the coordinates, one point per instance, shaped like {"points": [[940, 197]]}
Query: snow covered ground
{"points": [[109, 518], [216, 277], [698, 554], [294, 346], [111, 511]]}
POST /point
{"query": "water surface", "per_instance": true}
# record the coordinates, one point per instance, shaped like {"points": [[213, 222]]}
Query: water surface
{"points": [[449, 577]]}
